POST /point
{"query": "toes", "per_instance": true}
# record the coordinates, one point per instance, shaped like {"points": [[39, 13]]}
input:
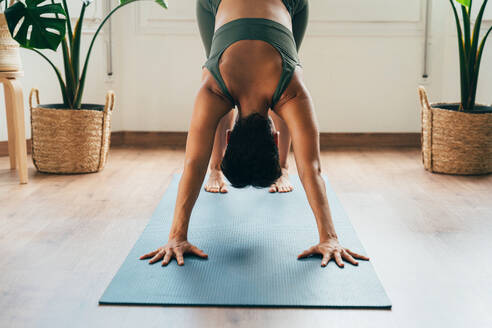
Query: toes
{"points": [[208, 188], [216, 189], [273, 188]]}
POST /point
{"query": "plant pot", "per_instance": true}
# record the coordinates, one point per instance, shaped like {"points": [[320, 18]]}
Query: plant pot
{"points": [[68, 141], [455, 142], [9, 49]]}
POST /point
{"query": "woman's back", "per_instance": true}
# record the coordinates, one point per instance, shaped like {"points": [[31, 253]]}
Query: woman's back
{"points": [[251, 69], [230, 10]]}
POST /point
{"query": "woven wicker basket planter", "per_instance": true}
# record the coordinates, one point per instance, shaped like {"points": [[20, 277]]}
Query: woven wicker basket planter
{"points": [[68, 141], [455, 142], [9, 49]]}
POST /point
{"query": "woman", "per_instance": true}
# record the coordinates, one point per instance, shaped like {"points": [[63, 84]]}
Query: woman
{"points": [[251, 46]]}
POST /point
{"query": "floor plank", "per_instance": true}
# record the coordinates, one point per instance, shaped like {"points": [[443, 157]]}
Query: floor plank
{"points": [[62, 238]]}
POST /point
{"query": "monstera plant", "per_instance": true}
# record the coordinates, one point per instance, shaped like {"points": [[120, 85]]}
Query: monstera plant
{"points": [[470, 49], [42, 24], [68, 137]]}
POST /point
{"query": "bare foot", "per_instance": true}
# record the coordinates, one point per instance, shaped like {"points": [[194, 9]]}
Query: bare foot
{"points": [[216, 182], [282, 184]]}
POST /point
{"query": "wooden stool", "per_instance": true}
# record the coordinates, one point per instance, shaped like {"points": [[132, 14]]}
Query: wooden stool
{"points": [[14, 105]]}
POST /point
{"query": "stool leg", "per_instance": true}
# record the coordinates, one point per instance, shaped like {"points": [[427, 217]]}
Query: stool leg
{"points": [[15, 91], [10, 123]]}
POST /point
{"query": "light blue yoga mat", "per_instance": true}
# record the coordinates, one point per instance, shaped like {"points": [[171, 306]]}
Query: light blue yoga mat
{"points": [[252, 239]]}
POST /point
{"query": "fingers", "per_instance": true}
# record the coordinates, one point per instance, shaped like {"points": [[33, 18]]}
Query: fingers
{"points": [[347, 257], [157, 256], [167, 258], [357, 256], [149, 255], [199, 252], [307, 252], [179, 256], [325, 260], [338, 259]]}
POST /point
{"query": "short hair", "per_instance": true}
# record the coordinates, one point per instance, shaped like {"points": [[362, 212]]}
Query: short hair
{"points": [[251, 157]]}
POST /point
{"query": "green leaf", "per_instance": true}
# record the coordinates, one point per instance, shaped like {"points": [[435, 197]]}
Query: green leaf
{"points": [[476, 29], [70, 79], [75, 55], [465, 3], [69, 23], [42, 35], [482, 45], [463, 62], [480, 50], [477, 68], [162, 3]]}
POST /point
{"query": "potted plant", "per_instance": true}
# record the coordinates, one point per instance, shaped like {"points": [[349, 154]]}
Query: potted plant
{"points": [[9, 48], [69, 137], [457, 137]]}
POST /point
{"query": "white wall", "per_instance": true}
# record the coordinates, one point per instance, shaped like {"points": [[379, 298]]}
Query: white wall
{"points": [[362, 60]]}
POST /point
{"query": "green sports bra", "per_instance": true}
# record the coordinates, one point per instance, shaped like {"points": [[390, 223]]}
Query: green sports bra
{"points": [[276, 34]]}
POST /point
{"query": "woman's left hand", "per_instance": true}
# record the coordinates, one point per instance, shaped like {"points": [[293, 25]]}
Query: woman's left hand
{"points": [[331, 249]]}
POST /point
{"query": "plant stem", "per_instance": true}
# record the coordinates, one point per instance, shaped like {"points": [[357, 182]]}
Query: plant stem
{"points": [[69, 23], [58, 75], [80, 87], [461, 49], [70, 80], [75, 55]]}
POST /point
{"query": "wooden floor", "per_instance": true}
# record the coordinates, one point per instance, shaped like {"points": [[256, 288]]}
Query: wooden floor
{"points": [[62, 238]]}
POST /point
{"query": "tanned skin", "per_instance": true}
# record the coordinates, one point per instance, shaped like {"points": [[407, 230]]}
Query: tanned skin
{"points": [[252, 87]]}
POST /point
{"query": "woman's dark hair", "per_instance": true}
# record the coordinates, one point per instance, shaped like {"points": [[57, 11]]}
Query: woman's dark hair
{"points": [[251, 157]]}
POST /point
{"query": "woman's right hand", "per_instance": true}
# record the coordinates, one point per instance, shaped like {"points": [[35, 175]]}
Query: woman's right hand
{"points": [[173, 248]]}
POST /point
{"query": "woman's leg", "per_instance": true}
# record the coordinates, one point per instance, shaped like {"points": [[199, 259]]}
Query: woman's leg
{"points": [[299, 25], [282, 184], [206, 24], [216, 181]]}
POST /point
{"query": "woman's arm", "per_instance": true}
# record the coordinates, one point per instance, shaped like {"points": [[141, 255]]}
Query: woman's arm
{"points": [[208, 110], [298, 113]]}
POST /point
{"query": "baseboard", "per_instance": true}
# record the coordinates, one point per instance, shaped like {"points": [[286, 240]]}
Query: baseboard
{"points": [[148, 139], [327, 140], [372, 139]]}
